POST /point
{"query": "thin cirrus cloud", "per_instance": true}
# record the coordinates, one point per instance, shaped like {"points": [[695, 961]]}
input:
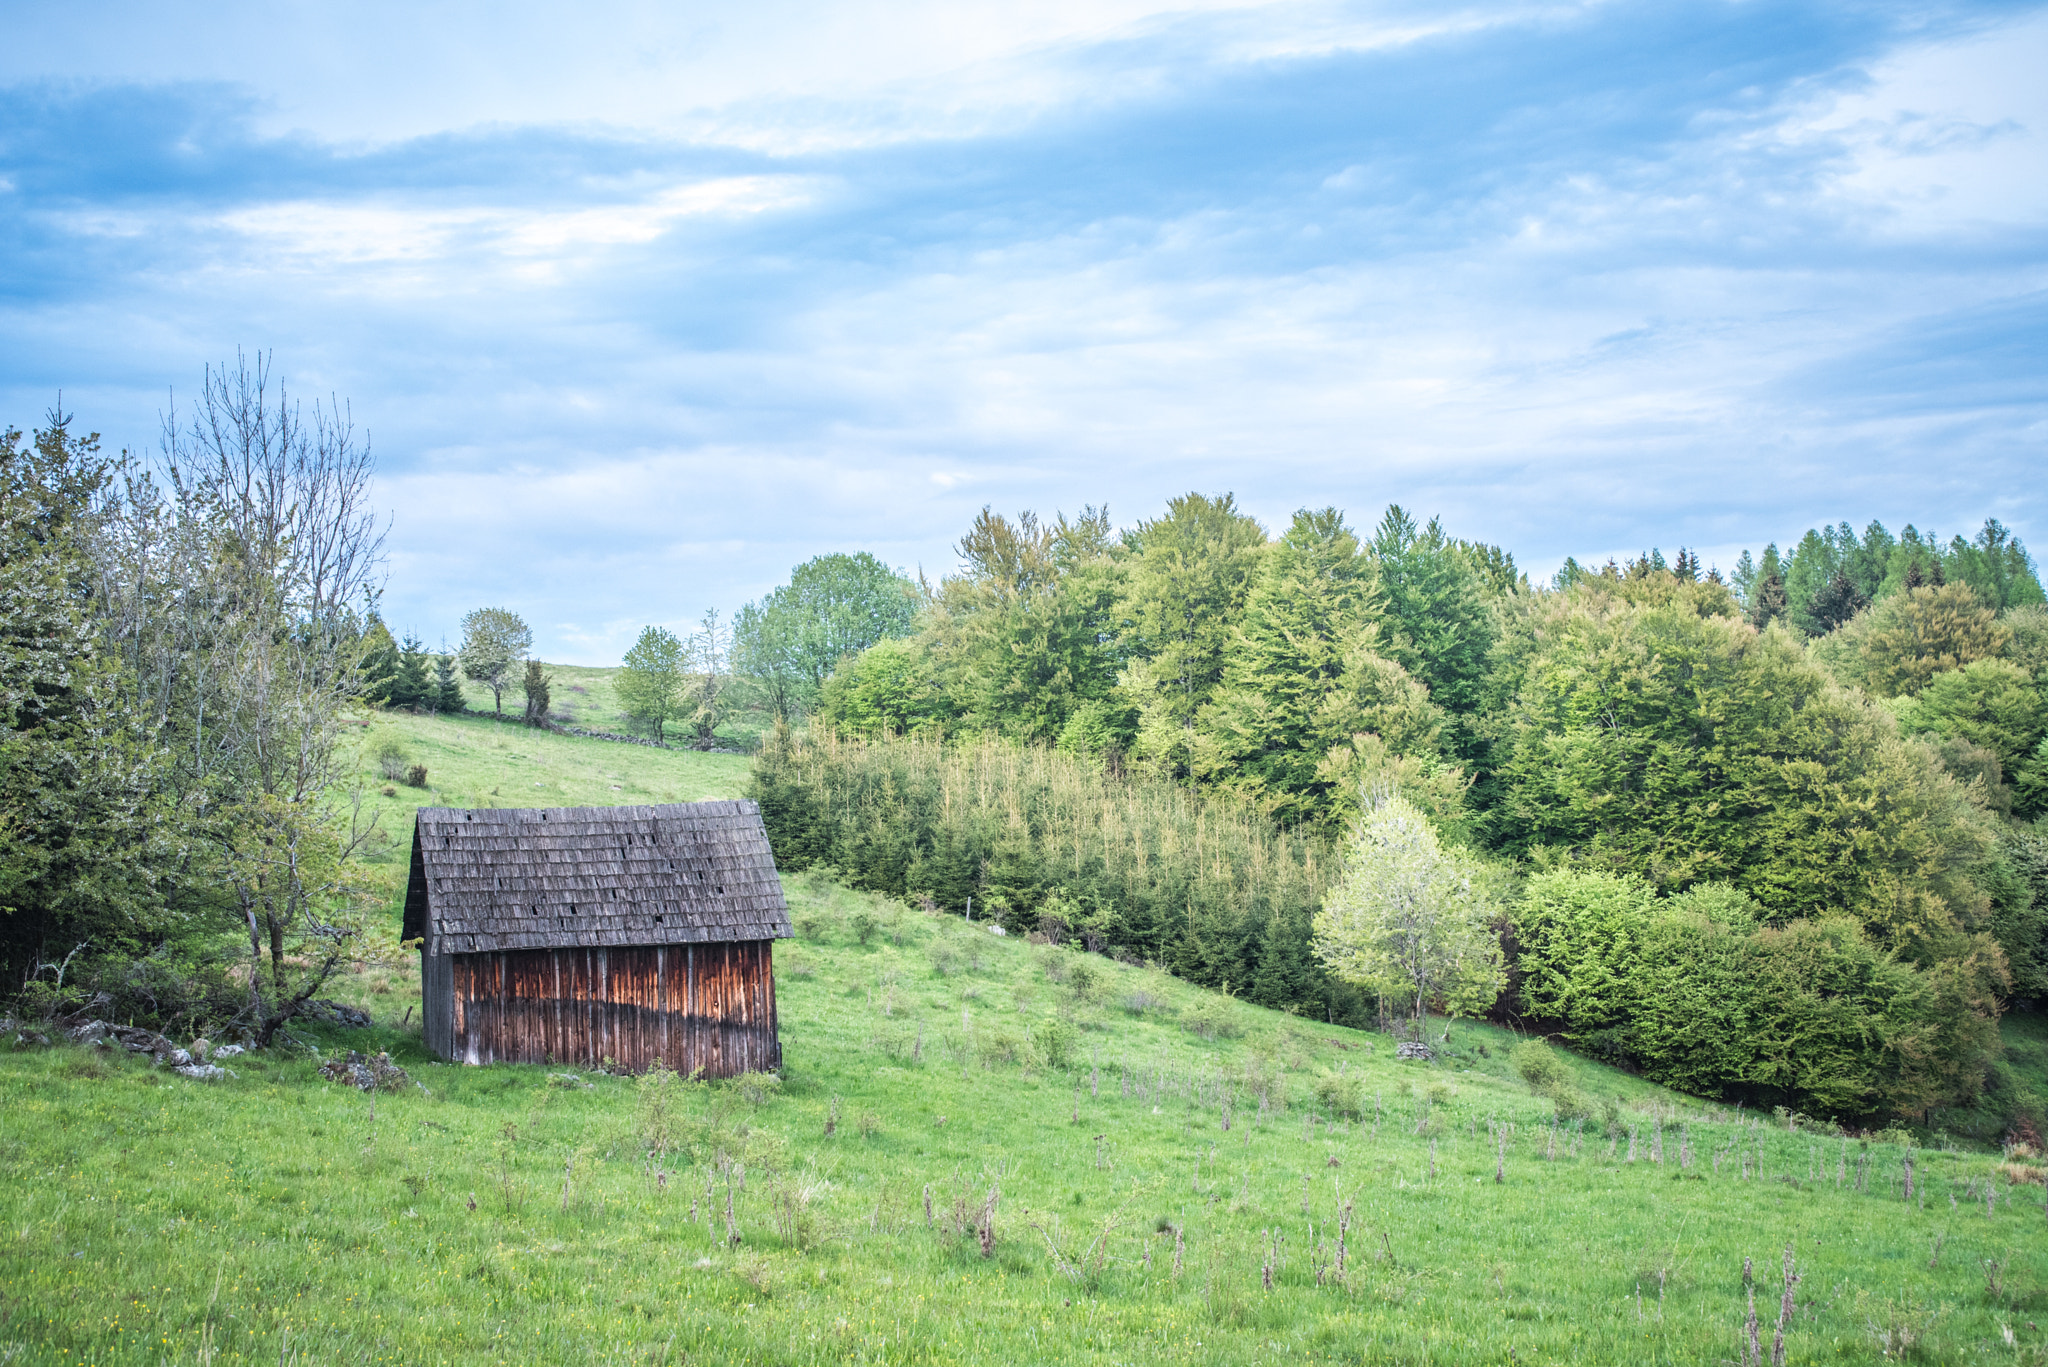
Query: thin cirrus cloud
{"points": [[1581, 278]]}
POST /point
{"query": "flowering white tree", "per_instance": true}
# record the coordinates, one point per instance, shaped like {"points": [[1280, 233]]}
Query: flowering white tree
{"points": [[1407, 920]]}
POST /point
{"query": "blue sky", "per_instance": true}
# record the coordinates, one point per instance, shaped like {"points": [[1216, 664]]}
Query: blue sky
{"points": [[644, 304]]}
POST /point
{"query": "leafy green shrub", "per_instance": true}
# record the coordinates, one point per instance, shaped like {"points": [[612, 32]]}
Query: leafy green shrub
{"points": [[1056, 1041], [1538, 1064], [1211, 1023], [1340, 1094], [863, 925], [1696, 994], [813, 925]]}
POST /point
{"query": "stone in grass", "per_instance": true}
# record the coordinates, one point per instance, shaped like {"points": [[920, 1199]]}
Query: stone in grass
{"points": [[366, 1073], [1409, 1048]]}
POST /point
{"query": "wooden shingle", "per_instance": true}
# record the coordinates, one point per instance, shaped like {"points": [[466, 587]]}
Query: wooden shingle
{"points": [[493, 879]]}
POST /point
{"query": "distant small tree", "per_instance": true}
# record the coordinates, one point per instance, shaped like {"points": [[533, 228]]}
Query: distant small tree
{"points": [[494, 640], [710, 648], [1407, 920], [447, 687], [380, 663], [535, 685], [410, 687], [650, 685], [1836, 603], [833, 607]]}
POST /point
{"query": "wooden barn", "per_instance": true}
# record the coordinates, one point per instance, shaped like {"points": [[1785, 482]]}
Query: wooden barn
{"points": [[580, 934]]}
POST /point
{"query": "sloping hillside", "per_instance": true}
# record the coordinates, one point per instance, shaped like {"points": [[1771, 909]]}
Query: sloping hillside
{"points": [[941, 1082]]}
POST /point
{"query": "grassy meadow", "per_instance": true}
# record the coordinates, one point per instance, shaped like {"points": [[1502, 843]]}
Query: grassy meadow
{"points": [[941, 1081]]}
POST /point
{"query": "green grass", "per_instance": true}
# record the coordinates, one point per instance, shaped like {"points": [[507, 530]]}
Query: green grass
{"points": [[276, 1217], [146, 1218], [476, 762], [583, 695]]}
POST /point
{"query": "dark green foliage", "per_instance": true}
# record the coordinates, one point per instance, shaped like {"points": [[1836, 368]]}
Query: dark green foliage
{"points": [[1835, 604], [410, 686], [1696, 994], [1305, 674], [1205, 886], [1437, 594], [447, 690], [1691, 749], [86, 840], [380, 663], [2018, 882], [535, 684]]}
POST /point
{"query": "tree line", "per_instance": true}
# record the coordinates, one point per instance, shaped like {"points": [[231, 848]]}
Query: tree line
{"points": [[1829, 763]]}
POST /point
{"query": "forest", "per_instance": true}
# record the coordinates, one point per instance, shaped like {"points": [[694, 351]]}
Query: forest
{"points": [[1768, 835]]}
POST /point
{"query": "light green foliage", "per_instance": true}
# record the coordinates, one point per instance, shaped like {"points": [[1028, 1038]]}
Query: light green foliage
{"points": [[1367, 764], [1894, 648], [1021, 634], [1991, 703], [1186, 591], [494, 641], [2028, 645], [1689, 749], [1695, 993], [650, 683], [1538, 1064], [833, 606], [1579, 933], [1102, 728], [1304, 673], [891, 688], [1550, 1077], [1204, 884], [1406, 920]]}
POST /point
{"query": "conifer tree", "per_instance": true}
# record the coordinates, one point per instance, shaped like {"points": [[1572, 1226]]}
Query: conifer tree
{"points": [[1768, 602], [535, 685], [1438, 622], [1836, 603], [447, 695], [410, 685], [380, 663]]}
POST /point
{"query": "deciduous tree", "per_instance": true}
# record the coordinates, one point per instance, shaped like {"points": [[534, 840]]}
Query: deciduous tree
{"points": [[1407, 920], [650, 684], [494, 641]]}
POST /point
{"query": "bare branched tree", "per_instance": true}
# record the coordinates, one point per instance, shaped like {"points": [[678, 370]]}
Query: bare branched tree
{"points": [[236, 586]]}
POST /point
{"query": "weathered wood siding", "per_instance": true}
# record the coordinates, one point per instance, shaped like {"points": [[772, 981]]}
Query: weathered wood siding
{"points": [[693, 1006]]}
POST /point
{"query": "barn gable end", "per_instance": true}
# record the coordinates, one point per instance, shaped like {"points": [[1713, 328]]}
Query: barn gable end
{"points": [[599, 933]]}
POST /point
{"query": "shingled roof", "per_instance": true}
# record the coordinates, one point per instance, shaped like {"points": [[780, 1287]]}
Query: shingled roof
{"points": [[556, 877]]}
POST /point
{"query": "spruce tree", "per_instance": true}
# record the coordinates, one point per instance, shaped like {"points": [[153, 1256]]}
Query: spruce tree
{"points": [[380, 663], [1440, 623], [535, 685], [1836, 603], [447, 693], [410, 685]]}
